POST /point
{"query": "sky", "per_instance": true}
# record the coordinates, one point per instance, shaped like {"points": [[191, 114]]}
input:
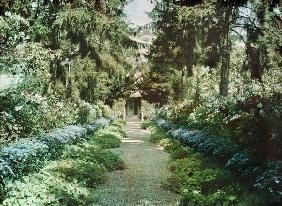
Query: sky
{"points": [[136, 11]]}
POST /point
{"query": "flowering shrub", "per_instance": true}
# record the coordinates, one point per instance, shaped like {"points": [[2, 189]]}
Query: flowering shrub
{"points": [[252, 121], [87, 112], [147, 109], [69, 180], [26, 156], [230, 155], [57, 139], [23, 114]]}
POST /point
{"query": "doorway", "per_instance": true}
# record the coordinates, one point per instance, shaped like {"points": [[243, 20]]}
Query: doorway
{"points": [[133, 106]]}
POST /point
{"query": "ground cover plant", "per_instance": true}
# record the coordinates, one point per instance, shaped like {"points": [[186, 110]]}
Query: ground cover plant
{"points": [[208, 72], [200, 179], [245, 166], [70, 180]]}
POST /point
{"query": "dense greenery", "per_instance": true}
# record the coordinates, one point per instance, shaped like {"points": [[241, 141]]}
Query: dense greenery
{"points": [[66, 55], [201, 180], [69, 180], [213, 77], [23, 157], [226, 77], [217, 66], [264, 177]]}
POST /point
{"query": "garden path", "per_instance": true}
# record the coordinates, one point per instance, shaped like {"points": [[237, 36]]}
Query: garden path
{"points": [[140, 183]]}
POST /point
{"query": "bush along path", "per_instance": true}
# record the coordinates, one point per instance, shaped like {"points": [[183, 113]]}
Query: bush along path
{"points": [[71, 179], [213, 171], [141, 183]]}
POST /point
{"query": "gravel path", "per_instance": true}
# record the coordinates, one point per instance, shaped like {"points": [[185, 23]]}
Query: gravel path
{"points": [[140, 183]]}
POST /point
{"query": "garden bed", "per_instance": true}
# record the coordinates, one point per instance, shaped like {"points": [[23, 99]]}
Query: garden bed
{"points": [[30, 155], [263, 179]]}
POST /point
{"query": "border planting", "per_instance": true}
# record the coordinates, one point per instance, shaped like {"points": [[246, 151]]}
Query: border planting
{"points": [[30, 155], [263, 178]]}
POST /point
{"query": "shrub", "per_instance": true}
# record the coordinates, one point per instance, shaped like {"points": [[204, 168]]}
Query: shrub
{"points": [[146, 124], [65, 182], [218, 148], [91, 128], [46, 189], [240, 163], [157, 134], [108, 159], [91, 173], [118, 123], [89, 152], [102, 122], [6, 174], [179, 153], [23, 114], [227, 153], [169, 145], [87, 113], [218, 198], [57, 139], [202, 183], [271, 181], [108, 139], [26, 156], [117, 129]]}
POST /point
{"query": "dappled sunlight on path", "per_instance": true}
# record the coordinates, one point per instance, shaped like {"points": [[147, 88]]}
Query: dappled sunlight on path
{"points": [[141, 183]]}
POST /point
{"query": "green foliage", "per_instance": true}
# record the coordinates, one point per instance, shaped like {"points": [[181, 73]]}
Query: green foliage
{"points": [[157, 134], [109, 138], [202, 182], [108, 159], [89, 152], [87, 113], [90, 173], [55, 49], [117, 126], [270, 180], [24, 114], [179, 152], [69, 181], [26, 156], [147, 109], [248, 121], [45, 188], [219, 198], [146, 124]]}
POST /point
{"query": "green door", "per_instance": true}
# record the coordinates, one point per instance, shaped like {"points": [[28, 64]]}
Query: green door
{"points": [[131, 107]]}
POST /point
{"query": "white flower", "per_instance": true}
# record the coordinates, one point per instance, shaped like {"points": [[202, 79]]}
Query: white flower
{"points": [[259, 105], [60, 104], [236, 116], [18, 108]]}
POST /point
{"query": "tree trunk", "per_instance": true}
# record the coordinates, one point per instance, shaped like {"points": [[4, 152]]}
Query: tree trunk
{"points": [[224, 73], [225, 52]]}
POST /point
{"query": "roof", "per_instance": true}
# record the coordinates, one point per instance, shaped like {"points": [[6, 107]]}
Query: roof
{"points": [[135, 94]]}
